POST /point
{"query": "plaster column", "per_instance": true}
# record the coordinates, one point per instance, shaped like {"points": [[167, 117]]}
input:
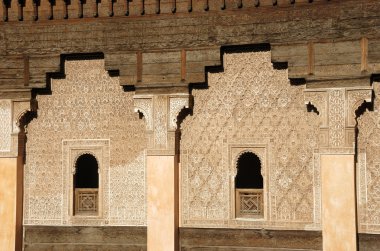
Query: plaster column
{"points": [[337, 110], [8, 190], [162, 205], [11, 173], [338, 202], [160, 112]]}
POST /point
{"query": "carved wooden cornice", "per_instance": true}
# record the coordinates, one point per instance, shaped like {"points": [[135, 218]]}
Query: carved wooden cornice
{"points": [[113, 8], [160, 49]]}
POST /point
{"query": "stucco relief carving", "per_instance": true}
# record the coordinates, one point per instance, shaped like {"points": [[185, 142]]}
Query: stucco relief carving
{"points": [[161, 111], [19, 110], [319, 100], [145, 106], [337, 109], [249, 102], [87, 109], [175, 107], [368, 168], [160, 124], [5, 125], [355, 98], [336, 118]]}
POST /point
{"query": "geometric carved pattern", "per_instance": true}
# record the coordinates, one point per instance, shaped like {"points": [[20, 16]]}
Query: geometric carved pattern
{"points": [[87, 106], [336, 118], [249, 103], [250, 203], [337, 108], [5, 125], [86, 201], [160, 113]]}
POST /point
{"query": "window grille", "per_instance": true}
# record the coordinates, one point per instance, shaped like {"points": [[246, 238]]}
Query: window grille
{"points": [[86, 201], [249, 203]]}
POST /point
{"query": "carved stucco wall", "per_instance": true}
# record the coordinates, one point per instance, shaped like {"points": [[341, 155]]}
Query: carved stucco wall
{"points": [[5, 125], [250, 106], [368, 168], [86, 109]]}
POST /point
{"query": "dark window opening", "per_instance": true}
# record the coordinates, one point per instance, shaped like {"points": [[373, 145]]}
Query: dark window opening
{"points": [[86, 175], [249, 172]]}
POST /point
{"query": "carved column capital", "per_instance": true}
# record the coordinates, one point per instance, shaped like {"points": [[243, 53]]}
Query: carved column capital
{"points": [[161, 113], [11, 113], [337, 108]]}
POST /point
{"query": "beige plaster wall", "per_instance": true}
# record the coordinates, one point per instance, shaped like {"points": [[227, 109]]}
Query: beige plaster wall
{"points": [[8, 190], [338, 202], [162, 204]]}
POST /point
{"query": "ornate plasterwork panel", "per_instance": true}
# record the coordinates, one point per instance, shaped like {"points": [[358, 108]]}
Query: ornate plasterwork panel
{"points": [[368, 168], [11, 112], [251, 104], [336, 118], [5, 125], [337, 107], [90, 112], [161, 113]]}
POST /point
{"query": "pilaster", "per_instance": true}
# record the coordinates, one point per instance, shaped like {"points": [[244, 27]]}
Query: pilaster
{"points": [[338, 110], [11, 172], [161, 112]]}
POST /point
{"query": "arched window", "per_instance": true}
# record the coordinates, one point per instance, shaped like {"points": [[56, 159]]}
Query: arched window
{"points": [[249, 186], [86, 185]]}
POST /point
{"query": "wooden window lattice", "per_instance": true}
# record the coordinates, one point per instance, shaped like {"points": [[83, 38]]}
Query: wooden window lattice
{"points": [[249, 203], [86, 201]]}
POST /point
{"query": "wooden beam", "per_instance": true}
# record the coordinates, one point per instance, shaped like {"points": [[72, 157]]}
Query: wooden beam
{"points": [[35, 10], [95, 12], [51, 13], [183, 65], [206, 6], [311, 58], [80, 9], [110, 8], [364, 54], [139, 66], [20, 10], [142, 7], [126, 8], [26, 70], [223, 5], [158, 9], [5, 10], [65, 11], [174, 6]]}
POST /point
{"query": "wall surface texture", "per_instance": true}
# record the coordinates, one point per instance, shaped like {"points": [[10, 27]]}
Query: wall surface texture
{"points": [[250, 107], [87, 113]]}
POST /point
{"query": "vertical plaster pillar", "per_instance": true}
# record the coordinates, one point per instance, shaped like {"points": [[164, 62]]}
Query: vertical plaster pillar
{"points": [[337, 108], [160, 112], [338, 202], [11, 173], [162, 204], [8, 202]]}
